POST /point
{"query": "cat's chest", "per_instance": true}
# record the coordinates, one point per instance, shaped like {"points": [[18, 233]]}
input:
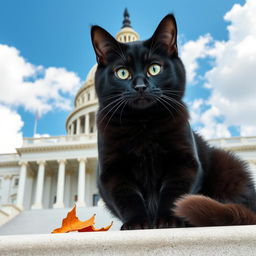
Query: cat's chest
{"points": [[146, 143], [141, 142], [147, 153], [142, 148]]}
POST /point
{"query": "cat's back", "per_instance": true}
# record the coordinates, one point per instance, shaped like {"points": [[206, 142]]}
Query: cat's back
{"points": [[226, 176]]}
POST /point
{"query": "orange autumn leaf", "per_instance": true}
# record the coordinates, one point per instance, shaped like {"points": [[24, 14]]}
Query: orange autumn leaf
{"points": [[72, 223], [92, 228]]}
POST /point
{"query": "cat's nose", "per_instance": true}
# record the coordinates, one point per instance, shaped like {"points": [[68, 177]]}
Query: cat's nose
{"points": [[140, 85]]}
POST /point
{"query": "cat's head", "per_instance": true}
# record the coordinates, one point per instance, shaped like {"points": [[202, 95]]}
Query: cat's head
{"points": [[140, 74]]}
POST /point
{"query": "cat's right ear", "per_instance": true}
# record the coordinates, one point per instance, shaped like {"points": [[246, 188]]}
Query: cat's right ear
{"points": [[103, 43]]}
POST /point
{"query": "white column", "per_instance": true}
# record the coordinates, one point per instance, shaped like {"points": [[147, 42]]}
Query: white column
{"points": [[81, 183], [78, 126], [39, 186], [22, 184], [72, 128], [93, 94], [87, 124], [6, 189], [60, 185]]}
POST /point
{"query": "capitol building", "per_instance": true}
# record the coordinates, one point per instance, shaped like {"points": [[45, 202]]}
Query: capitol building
{"points": [[51, 173]]}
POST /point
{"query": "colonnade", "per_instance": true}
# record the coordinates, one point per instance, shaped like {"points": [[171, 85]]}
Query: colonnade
{"points": [[82, 124], [39, 189]]}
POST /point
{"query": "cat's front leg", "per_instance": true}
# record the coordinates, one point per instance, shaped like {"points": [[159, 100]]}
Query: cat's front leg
{"points": [[169, 192], [126, 202], [131, 207], [180, 176]]}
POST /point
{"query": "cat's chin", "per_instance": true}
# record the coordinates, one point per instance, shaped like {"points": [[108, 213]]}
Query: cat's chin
{"points": [[142, 103]]}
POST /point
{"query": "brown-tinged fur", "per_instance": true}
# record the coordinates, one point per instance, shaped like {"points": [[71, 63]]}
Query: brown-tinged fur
{"points": [[199, 210]]}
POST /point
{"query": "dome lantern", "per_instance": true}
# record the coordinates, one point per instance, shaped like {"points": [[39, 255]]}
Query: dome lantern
{"points": [[127, 33], [126, 21]]}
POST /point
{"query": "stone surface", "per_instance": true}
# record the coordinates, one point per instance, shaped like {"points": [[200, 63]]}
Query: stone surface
{"points": [[213, 241]]}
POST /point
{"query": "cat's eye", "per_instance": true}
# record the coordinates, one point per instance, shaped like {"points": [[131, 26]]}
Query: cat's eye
{"points": [[123, 73], [154, 69]]}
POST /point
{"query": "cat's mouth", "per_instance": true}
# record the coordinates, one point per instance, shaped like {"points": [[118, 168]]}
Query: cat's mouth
{"points": [[142, 101]]}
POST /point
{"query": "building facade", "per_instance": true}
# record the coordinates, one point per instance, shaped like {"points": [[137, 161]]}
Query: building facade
{"points": [[56, 172]]}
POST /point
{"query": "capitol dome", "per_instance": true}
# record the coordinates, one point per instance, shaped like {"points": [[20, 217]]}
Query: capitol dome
{"points": [[90, 76], [82, 120]]}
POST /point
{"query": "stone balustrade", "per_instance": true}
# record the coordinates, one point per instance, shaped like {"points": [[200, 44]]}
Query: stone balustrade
{"points": [[211, 241], [234, 141], [42, 141]]}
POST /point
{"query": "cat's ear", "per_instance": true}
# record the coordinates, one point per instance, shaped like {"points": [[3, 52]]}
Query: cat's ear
{"points": [[103, 43], [166, 34]]}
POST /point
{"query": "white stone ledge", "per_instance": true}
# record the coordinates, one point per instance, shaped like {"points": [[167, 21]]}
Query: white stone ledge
{"points": [[236, 240]]}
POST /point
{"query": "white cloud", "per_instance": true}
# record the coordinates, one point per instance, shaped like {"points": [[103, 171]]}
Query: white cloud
{"points": [[248, 130], [191, 51], [195, 111], [232, 79], [34, 87], [10, 130]]}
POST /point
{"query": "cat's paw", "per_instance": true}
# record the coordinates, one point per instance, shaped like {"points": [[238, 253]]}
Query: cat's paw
{"points": [[135, 224], [168, 222]]}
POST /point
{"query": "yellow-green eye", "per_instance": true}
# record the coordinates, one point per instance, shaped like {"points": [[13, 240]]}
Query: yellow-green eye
{"points": [[154, 69], [122, 73]]}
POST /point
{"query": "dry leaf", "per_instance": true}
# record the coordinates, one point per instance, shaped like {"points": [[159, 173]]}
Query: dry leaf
{"points": [[92, 228], [72, 223]]}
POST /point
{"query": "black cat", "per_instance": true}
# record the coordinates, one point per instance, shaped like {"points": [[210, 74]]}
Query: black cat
{"points": [[154, 172]]}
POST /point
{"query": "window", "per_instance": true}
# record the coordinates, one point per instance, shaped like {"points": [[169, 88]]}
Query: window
{"points": [[54, 199], [74, 123], [95, 199], [16, 182], [75, 198], [88, 96]]}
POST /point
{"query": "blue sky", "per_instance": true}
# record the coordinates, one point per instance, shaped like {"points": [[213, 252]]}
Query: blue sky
{"points": [[57, 34]]}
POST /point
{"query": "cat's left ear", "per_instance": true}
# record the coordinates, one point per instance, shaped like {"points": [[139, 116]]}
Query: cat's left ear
{"points": [[166, 34], [103, 43]]}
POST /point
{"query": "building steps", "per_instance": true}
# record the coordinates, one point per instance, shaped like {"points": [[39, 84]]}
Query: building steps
{"points": [[8, 212], [43, 221]]}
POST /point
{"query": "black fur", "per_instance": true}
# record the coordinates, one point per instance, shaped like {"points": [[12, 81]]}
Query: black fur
{"points": [[146, 151]]}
